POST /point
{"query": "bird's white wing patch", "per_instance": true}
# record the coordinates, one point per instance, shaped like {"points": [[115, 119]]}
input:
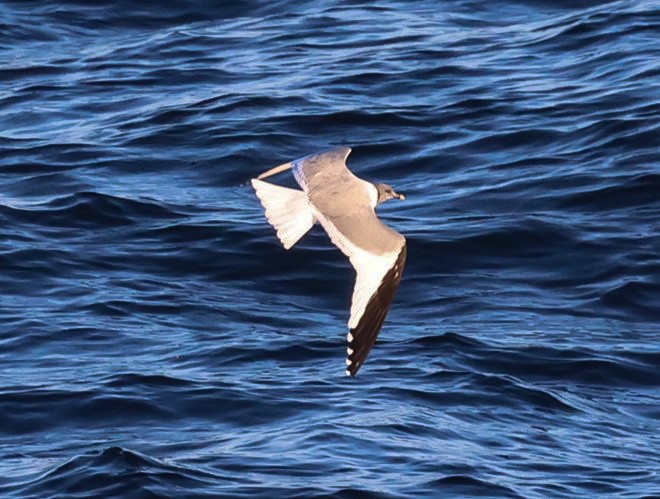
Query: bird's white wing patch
{"points": [[287, 210], [370, 269], [370, 273]]}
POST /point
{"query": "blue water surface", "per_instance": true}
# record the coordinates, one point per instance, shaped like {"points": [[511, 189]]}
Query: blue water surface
{"points": [[157, 341]]}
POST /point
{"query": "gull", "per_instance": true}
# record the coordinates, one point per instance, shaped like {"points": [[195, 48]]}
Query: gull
{"points": [[344, 206]]}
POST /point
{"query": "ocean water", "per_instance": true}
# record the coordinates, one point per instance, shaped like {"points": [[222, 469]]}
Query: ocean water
{"points": [[156, 340]]}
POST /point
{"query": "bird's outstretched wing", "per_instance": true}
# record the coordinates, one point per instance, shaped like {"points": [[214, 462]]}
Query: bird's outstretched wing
{"points": [[372, 297], [378, 274]]}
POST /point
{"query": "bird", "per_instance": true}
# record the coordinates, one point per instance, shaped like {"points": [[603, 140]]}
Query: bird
{"points": [[344, 205]]}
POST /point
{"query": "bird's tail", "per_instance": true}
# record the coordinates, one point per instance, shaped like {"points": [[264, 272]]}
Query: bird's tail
{"points": [[287, 210]]}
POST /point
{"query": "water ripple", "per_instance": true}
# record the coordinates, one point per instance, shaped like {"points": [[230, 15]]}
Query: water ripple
{"points": [[155, 339]]}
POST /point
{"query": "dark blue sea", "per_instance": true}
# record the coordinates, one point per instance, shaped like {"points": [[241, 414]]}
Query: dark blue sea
{"points": [[157, 341]]}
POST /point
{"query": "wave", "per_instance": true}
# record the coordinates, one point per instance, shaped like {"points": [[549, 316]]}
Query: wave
{"points": [[157, 340], [86, 210], [540, 364], [96, 473]]}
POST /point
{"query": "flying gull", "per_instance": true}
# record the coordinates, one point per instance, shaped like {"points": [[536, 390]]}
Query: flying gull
{"points": [[344, 205]]}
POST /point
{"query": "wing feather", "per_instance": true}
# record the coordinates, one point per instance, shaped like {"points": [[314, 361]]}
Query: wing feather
{"points": [[323, 170], [362, 337], [377, 280]]}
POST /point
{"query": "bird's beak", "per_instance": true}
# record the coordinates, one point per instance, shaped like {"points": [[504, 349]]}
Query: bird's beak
{"points": [[401, 197]]}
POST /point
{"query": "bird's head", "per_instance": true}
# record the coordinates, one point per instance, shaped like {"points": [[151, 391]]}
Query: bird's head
{"points": [[385, 193]]}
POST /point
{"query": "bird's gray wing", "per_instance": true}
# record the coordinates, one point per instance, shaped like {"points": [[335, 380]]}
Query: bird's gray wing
{"points": [[327, 169], [378, 255]]}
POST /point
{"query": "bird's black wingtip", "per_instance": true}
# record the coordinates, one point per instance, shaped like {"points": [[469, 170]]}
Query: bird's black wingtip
{"points": [[352, 371]]}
